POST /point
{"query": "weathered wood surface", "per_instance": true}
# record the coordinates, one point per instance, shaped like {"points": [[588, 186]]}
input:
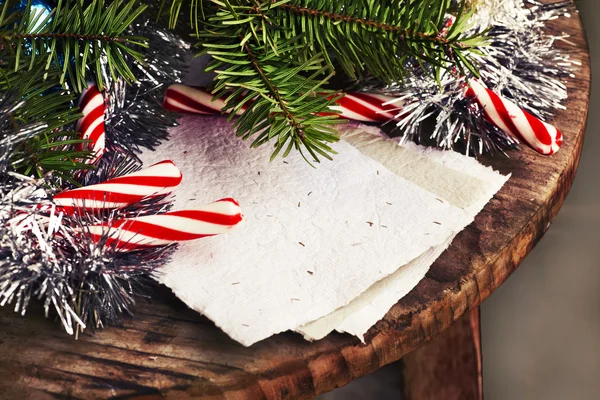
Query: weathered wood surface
{"points": [[448, 367], [169, 351]]}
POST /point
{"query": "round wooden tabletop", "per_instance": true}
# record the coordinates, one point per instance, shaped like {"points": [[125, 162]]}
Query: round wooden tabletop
{"points": [[171, 351]]}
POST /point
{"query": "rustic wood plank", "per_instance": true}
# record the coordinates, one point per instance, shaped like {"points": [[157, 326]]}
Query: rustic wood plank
{"points": [[450, 366], [169, 351]]}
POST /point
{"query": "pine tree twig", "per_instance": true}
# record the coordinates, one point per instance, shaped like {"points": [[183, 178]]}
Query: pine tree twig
{"points": [[289, 116], [436, 38], [79, 38], [50, 145], [272, 57]]}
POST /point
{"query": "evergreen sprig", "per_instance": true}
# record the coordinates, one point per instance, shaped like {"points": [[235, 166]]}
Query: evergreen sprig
{"points": [[77, 35], [376, 37], [275, 57], [44, 61], [50, 109], [282, 97]]}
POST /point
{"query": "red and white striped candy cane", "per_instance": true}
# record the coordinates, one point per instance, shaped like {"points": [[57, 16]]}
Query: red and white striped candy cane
{"points": [[172, 227], [91, 125], [514, 121], [364, 107], [367, 107], [188, 99], [158, 179]]}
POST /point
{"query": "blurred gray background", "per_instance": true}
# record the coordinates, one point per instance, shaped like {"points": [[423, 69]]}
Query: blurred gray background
{"points": [[541, 329]]}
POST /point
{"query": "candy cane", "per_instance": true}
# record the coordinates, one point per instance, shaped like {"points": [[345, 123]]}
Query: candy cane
{"points": [[172, 227], [514, 121], [91, 125], [367, 107], [188, 99], [364, 107], [156, 180]]}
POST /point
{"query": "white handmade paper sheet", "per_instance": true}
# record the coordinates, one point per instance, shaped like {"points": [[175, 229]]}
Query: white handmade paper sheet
{"points": [[460, 180], [313, 239]]}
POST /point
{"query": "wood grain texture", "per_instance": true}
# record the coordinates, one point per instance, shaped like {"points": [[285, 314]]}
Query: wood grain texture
{"points": [[448, 367], [170, 352]]}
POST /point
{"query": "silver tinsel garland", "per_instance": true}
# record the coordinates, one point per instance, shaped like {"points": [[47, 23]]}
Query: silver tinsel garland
{"points": [[521, 63], [135, 118], [48, 256]]}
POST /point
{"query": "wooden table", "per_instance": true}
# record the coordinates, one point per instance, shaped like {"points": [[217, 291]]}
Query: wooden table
{"points": [[170, 351]]}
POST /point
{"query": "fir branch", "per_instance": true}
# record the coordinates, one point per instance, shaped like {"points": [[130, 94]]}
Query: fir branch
{"points": [[274, 92], [77, 35], [282, 103], [52, 146], [361, 21], [255, 43], [377, 37]]}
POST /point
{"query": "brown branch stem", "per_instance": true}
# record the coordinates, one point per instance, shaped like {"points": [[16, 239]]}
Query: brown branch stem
{"points": [[274, 91]]}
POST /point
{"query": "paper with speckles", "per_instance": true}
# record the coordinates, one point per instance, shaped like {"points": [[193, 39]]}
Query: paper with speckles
{"points": [[459, 180], [313, 239]]}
